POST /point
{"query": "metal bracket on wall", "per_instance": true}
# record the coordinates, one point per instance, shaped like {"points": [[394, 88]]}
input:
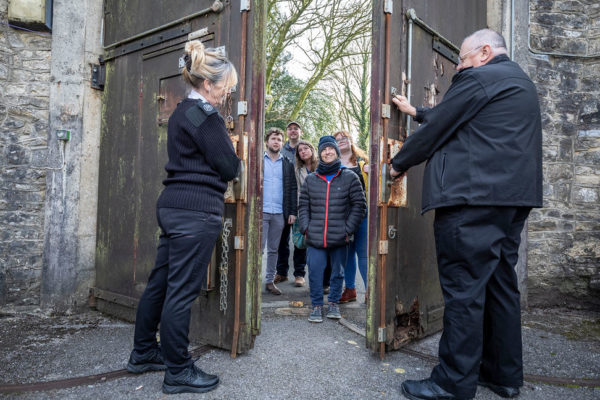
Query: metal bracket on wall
{"points": [[244, 5], [98, 75]]}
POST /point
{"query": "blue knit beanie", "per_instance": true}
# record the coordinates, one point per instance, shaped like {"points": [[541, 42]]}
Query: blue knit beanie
{"points": [[328, 141]]}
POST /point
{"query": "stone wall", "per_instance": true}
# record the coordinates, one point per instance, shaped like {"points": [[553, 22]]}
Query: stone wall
{"points": [[48, 188], [24, 110], [563, 59]]}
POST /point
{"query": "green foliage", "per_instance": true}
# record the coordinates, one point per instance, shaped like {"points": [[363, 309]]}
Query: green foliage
{"points": [[326, 32], [317, 117]]}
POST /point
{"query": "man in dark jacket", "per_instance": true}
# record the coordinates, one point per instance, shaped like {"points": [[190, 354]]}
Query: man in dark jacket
{"points": [[280, 197], [483, 149], [332, 205], [294, 133]]}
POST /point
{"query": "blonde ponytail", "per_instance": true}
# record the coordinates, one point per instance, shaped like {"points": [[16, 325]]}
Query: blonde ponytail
{"points": [[207, 64]]}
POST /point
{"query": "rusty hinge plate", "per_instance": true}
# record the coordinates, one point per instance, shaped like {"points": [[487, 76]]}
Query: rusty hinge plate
{"points": [[242, 108], [238, 243], [388, 7], [383, 247], [198, 34], [381, 336], [386, 111]]}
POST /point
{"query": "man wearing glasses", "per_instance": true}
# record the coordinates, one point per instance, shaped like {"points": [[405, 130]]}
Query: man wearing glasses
{"points": [[483, 149]]}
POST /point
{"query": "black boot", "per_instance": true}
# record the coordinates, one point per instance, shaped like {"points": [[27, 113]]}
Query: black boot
{"points": [[425, 389], [502, 391], [151, 361], [190, 380]]}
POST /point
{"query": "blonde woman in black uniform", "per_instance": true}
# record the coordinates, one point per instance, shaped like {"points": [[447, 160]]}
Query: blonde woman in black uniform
{"points": [[189, 213]]}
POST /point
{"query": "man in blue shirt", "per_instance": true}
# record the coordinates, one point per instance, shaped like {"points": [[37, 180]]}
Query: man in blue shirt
{"points": [[279, 201]]}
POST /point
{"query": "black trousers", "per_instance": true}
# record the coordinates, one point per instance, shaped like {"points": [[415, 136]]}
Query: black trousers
{"points": [[184, 250], [283, 254], [477, 250]]}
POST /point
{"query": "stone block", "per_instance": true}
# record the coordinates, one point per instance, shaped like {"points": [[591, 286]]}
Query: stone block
{"points": [[547, 20], [587, 175], [13, 124], [551, 44], [37, 65], [585, 194], [3, 72], [16, 154], [583, 156], [550, 153], [558, 172], [569, 6]]}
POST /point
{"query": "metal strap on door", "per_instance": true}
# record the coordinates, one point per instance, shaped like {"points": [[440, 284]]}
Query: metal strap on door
{"points": [[440, 44]]}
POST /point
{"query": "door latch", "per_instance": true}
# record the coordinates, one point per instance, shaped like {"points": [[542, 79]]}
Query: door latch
{"points": [[385, 187], [239, 183], [98, 75]]}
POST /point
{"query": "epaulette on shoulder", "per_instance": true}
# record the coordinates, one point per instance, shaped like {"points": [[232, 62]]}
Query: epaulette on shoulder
{"points": [[198, 113]]}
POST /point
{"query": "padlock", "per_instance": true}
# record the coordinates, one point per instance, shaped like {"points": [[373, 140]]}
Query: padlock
{"points": [[229, 124]]}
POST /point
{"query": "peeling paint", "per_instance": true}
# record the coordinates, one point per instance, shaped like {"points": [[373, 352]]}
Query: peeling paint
{"points": [[407, 324]]}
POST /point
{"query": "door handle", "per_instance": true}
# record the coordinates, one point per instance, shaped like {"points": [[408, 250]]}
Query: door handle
{"points": [[240, 182], [385, 189]]}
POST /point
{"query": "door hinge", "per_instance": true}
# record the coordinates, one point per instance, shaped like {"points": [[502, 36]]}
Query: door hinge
{"points": [[198, 34], [388, 7], [383, 247], [244, 5], [242, 108], [386, 111], [238, 242], [98, 75], [381, 335]]}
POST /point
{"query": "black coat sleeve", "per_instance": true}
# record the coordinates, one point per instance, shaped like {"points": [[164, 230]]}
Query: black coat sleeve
{"points": [[213, 140], [464, 99], [291, 188]]}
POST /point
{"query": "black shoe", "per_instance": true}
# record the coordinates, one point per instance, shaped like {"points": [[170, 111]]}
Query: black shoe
{"points": [[425, 389], [190, 380], [502, 391], [151, 361]]}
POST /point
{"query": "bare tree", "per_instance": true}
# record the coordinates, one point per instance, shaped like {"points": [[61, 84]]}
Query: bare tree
{"points": [[350, 84], [323, 30]]}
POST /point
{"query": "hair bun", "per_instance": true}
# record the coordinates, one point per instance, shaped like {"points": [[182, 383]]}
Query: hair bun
{"points": [[195, 48]]}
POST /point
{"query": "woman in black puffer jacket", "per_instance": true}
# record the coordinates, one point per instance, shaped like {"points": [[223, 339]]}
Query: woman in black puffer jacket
{"points": [[332, 205]]}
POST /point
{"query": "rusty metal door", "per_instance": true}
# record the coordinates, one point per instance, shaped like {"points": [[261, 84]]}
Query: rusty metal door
{"points": [[415, 51], [143, 42]]}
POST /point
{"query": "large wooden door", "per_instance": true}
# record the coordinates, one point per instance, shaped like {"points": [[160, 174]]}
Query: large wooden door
{"points": [[144, 40], [415, 50]]}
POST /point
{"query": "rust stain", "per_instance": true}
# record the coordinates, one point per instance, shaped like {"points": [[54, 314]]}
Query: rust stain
{"points": [[397, 189], [407, 324]]}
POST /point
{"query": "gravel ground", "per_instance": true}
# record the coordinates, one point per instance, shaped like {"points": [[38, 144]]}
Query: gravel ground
{"points": [[291, 358]]}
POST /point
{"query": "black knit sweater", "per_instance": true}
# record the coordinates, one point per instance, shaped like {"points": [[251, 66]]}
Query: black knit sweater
{"points": [[201, 159]]}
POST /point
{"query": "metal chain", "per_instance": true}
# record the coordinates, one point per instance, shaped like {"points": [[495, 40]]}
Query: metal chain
{"points": [[224, 266], [229, 117]]}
